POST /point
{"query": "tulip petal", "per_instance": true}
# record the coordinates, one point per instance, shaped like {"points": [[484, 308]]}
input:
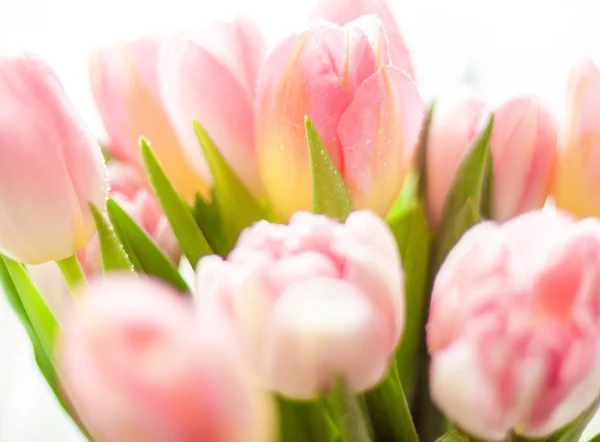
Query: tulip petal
{"points": [[317, 330], [216, 91], [309, 85], [124, 84], [57, 153], [378, 133], [343, 12]]}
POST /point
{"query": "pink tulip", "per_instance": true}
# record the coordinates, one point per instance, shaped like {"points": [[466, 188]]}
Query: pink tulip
{"points": [[367, 112], [523, 147], [125, 87], [138, 366], [333, 293], [211, 77], [343, 12], [129, 188], [50, 166], [455, 124], [514, 326], [577, 175]]}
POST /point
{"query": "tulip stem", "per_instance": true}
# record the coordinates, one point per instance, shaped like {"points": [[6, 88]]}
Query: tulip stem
{"points": [[72, 273]]}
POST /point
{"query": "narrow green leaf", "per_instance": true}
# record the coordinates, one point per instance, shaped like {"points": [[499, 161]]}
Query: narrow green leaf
{"points": [[389, 411], [40, 317], [188, 234], [304, 421], [114, 256], [43, 361], [406, 198], [330, 194], [349, 414], [413, 237], [421, 156], [143, 252], [596, 438], [237, 206], [208, 219]]}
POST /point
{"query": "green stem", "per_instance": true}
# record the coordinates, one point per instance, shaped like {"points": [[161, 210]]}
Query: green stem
{"points": [[305, 422], [389, 411], [73, 274]]}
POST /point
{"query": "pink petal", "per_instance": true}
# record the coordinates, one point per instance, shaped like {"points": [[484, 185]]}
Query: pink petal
{"points": [[196, 85], [343, 12], [379, 132]]}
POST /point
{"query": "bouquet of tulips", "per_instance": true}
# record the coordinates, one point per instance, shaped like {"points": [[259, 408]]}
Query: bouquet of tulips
{"points": [[287, 244]]}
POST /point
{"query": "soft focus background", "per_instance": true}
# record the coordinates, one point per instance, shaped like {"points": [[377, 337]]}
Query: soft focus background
{"points": [[502, 47]]}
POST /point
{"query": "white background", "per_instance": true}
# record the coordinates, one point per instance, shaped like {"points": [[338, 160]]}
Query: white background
{"points": [[507, 46]]}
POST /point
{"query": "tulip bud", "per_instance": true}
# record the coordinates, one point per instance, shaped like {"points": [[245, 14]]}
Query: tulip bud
{"points": [[455, 123], [125, 88], [137, 365], [342, 12], [211, 77], [523, 147], [513, 329], [576, 178], [129, 188], [332, 292], [51, 169], [367, 112]]}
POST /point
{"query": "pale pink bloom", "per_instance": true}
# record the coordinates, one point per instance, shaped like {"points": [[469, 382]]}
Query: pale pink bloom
{"points": [[137, 365], [577, 177], [523, 147], [311, 300], [211, 76], [130, 189], [455, 123], [367, 111], [514, 326], [50, 166], [343, 12], [124, 80]]}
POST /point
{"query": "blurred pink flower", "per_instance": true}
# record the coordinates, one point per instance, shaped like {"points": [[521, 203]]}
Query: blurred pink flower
{"points": [[129, 188], [367, 111], [523, 147], [138, 365], [50, 166], [577, 175], [125, 88], [343, 12], [514, 326], [211, 76], [311, 300]]}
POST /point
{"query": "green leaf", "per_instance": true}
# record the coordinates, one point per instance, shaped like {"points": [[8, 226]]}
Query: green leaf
{"points": [[305, 421], [596, 438], [406, 198], [389, 411], [238, 208], [454, 436], [42, 321], [188, 234], [206, 214], [349, 414], [413, 238], [470, 198], [42, 358], [114, 256], [421, 156], [145, 255], [330, 194]]}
